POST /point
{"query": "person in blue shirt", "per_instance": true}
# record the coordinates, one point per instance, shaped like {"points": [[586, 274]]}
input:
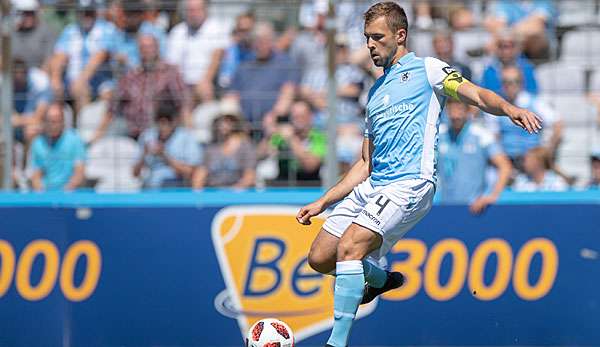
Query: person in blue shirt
{"points": [[391, 187], [57, 155], [464, 152], [80, 66], [508, 54], [169, 152]]}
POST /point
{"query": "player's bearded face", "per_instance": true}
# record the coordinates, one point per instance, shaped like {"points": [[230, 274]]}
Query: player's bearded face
{"points": [[382, 42]]}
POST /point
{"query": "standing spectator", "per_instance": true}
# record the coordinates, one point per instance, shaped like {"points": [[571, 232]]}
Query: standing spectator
{"points": [[265, 86], [309, 50], [170, 152], [537, 176], [508, 54], [300, 147], [444, 50], [192, 43], [32, 95], [517, 142], [230, 161], [595, 164], [531, 21], [32, 39], [138, 92], [465, 150], [238, 53], [127, 52], [57, 155], [80, 64]]}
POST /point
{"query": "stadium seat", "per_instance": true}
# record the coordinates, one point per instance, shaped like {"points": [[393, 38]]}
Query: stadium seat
{"points": [[467, 43], [561, 77], [574, 110], [203, 116], [581, 47], [89, 119], [421, 42], [111, 161], [576, 13]]}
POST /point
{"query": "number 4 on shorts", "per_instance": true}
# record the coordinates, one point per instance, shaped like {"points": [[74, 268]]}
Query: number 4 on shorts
{"points": [[382, 203]]}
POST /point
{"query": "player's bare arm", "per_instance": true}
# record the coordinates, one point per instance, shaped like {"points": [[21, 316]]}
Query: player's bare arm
{"points": [[359, 172], [492, 103]]}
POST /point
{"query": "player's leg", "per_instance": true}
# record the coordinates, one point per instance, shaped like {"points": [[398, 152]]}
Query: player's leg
{"points": [[322, 256], [402, 205], [323, 252], [355, 244]]}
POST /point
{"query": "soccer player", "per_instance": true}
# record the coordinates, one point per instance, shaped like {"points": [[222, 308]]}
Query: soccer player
{"points": [[391, 187]]}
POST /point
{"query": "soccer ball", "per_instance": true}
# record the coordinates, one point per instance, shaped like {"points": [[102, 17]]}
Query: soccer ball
{"points": [[270, 332]]}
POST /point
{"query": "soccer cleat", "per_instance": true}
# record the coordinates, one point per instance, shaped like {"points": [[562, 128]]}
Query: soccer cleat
{"points": [[394, 280]]}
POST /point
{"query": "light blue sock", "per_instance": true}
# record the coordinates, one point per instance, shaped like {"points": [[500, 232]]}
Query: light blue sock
{"points": [[374, 275], [349, 285]]}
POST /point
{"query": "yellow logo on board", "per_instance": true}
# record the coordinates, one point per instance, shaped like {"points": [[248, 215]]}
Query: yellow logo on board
{"points": [[262, 253]]}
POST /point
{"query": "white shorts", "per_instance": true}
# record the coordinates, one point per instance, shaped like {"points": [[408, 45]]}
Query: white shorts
{"points": [[389, 210]]}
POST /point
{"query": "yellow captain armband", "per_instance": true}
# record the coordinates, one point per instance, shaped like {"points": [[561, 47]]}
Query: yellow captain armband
{"points": [[452, 82]]}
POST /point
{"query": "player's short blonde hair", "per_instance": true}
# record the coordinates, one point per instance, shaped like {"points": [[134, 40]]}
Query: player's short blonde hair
{"points": [[394, 14]]}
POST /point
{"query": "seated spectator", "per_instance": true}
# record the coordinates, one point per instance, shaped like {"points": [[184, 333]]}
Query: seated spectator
{"points": [[192, 43], [515, 141], [170, 152], [537, 176], [508, 54], [595, 164], [32, 40], [127, 53], [531, 21], [444, 50], [80, 64], [465, 150], [57, 155], [238, 53], [300, 147], [138, 92], [230, 160], [265, 86], [32, 95]]}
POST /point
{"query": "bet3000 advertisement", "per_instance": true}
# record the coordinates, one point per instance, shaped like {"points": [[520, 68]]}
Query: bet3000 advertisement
{"points": [[518, 275]]}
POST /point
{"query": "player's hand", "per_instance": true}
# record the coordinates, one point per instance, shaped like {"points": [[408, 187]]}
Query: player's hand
{"points": [[526, 120], [307, 212], [481, 203]]}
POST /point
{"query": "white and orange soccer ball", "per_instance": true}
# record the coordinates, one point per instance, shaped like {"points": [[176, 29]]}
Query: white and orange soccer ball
{"points": [[270, 332]]}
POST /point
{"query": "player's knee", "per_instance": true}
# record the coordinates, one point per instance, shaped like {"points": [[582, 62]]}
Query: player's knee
{"points": [[320, 262], [348, 250]]}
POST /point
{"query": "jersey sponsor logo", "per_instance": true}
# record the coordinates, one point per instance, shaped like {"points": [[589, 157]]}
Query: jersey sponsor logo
{"points": [[386, 100], [262, 253]]}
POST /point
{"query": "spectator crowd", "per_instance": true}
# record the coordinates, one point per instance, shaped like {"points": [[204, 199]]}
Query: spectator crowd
{"points": [[217, 95]]}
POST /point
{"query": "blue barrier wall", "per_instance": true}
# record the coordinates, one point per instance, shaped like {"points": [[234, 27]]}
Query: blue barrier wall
{"points": [[128, 271]]}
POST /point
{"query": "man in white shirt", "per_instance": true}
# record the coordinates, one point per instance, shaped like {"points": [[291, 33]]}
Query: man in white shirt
{"points": [[192, 43]]}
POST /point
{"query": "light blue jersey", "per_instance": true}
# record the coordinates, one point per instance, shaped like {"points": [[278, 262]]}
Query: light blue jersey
{"points": [[403, 115]]}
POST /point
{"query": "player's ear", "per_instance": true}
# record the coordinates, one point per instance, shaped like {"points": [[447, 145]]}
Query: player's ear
{"points": [[401, 37]]}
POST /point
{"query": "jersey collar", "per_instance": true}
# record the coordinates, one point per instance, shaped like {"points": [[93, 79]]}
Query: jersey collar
{"points": [[402, 61]]}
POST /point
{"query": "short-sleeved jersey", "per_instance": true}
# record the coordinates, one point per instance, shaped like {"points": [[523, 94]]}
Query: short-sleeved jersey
{"points": [[403, 115], [462, 162]]}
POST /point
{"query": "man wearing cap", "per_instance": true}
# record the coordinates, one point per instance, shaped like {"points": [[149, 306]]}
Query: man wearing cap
{"points": [[80, 64], [32, 39]]}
